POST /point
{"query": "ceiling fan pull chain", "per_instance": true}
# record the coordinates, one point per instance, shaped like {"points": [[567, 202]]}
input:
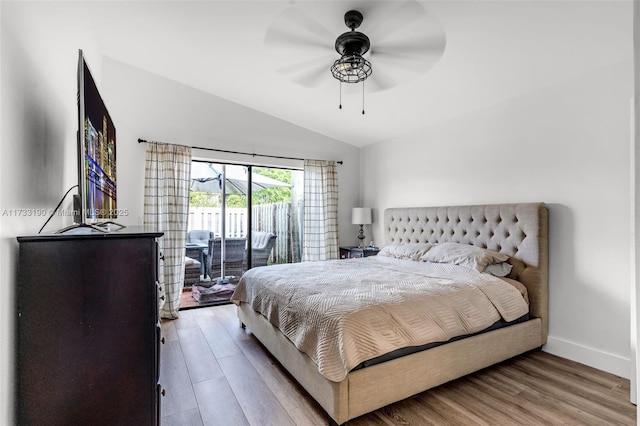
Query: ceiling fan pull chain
{"points": [[340, 107], [363, 98]]}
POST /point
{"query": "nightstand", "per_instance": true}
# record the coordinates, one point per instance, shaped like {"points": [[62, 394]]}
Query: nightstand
{"points": [[351, 252]]}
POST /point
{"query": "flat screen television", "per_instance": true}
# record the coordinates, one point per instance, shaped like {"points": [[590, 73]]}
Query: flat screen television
{"points": [[96, 201]]}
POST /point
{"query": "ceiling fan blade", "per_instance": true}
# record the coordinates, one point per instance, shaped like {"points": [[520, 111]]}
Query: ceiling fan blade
{"points": [[379, 81], [295, 28], [312, 25], [414, 56], [383, 19], [404, 64], [417, 46], [416, 49], [417, 62], [312, 77], [306, 64], [281, 38]]}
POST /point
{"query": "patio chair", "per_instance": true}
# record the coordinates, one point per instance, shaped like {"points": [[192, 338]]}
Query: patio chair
{"points": [[261, 247], [198, 236], [191, 272], [234, 256]]}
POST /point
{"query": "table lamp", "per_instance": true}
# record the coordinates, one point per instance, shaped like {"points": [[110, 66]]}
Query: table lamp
{"points": [[361, 216]]}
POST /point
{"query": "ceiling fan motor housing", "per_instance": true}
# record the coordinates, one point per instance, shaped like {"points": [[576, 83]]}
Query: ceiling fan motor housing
{"points": [[352, 42]]}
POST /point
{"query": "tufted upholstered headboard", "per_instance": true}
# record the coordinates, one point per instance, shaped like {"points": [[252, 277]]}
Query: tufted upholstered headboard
{"points": [[518, 230]]}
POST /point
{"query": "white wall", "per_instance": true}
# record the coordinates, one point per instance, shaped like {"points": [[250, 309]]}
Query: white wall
{"points": [[566, 145], [37, 141], [635, 213]]}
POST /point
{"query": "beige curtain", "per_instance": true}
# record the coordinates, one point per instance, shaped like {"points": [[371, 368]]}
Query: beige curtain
{"points": [[320, 213], [166, 209]]}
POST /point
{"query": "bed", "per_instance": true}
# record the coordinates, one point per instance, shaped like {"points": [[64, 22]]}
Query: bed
{"points": [[348, 386]]}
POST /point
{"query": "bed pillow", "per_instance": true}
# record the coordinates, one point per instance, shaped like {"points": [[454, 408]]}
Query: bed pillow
{"points": [[411, 251], [466, 255], [501, 269], [518, 266]]}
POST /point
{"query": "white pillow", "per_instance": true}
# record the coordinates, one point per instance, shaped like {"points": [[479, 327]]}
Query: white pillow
{"points": [[466, 255], [411, 251]]}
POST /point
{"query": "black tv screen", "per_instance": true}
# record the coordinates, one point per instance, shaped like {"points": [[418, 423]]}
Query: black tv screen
{"points": [[96, 151]]}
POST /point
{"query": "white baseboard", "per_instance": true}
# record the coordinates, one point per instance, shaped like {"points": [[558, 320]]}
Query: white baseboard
{"points": [[610, 363]]}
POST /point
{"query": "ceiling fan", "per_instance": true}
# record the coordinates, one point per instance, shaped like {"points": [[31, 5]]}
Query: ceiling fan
{"points": [[396, 41]]}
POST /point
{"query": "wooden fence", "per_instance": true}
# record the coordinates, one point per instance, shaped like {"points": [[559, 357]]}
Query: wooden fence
{"points": [[278, 218], [209, 218]]}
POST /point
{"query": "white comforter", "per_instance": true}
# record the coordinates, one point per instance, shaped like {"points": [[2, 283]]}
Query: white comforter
{"points": [[343, 312]]}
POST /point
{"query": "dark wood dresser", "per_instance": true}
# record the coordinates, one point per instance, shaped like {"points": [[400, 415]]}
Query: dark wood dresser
{"points": [[87, 329]]}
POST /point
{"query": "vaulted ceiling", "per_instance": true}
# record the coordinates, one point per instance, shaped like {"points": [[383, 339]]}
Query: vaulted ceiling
{"points": [[432, 60]]}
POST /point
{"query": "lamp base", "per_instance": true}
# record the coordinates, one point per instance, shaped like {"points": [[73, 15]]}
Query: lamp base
{"points": [[361, 237]]}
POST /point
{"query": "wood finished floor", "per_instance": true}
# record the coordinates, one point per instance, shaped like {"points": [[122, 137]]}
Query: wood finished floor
{"points": [[216, 373]]}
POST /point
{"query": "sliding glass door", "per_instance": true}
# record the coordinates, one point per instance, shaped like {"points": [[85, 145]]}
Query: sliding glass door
{"points": [[253, 213]]}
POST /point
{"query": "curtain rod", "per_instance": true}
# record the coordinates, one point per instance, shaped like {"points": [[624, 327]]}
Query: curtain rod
{"points": [[242, 153]]}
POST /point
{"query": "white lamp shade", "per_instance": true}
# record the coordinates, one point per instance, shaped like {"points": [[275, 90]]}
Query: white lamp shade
{"points": [[361, 216]]}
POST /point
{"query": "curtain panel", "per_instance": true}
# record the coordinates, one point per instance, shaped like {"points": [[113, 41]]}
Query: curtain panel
{"points": [[320, 213], [166, 209]]}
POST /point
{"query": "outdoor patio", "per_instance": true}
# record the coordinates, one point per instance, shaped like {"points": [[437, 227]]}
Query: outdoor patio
{"points": [[219, 222]]}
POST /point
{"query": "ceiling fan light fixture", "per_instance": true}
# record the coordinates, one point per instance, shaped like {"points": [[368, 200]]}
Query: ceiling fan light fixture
{"points": [[351, 69]]}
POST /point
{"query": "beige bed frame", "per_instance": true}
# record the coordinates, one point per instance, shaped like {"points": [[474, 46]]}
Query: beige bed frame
{"points": [[519, 230]]}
